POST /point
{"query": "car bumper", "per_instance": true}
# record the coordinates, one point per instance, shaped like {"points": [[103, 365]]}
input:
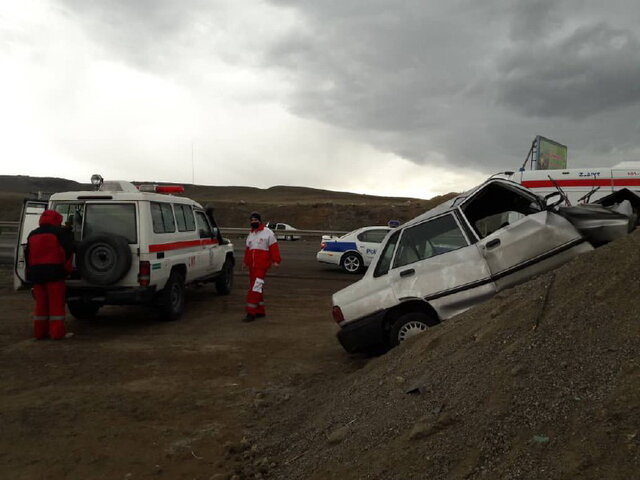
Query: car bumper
{"points": [[129, 296], [329, 257], [365, 334]]}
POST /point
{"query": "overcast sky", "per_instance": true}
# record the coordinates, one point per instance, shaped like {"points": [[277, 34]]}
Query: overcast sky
{"points": [[407, 98]]}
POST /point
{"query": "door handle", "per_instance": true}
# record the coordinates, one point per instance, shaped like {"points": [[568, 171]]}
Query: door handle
{"points": [[493, 243], [407, 273]]}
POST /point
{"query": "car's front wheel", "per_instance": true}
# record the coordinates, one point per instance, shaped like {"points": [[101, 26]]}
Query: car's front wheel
{"points": [[172, 297], [351, 263], [224, 283], [409, 325]]}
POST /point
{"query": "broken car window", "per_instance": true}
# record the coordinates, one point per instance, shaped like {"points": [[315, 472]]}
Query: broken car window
{"points": [[428, 239], [497, 206]]}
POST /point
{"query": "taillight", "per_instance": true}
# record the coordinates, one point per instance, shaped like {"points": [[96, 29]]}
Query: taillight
{"points": [[322, 245], [337, 314], [144, 274]]}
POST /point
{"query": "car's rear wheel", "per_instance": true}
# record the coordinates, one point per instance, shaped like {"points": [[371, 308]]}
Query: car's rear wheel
{"points": [[288, 238], [224, 283], [172, 297], [409, 325], [83, 310], [351, 263]]}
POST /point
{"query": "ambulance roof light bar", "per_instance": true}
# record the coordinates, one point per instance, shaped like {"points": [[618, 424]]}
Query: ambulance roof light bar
{"points": [[161, 188]]}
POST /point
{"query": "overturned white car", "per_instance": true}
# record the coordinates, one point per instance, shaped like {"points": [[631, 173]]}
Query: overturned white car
{"points": [[462, 253]]}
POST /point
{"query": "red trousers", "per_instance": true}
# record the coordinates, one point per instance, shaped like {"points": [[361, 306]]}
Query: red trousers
{"points": [[255, 296], [48, 316]]}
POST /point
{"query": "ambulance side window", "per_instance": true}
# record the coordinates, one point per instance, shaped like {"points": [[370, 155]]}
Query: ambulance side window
{"points": [[162, 218], [184, 218], [204, 229]]}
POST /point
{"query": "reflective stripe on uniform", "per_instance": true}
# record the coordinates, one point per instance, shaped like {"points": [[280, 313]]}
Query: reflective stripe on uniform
{"points": [[40, 317], [56, 317], [252, 305]]}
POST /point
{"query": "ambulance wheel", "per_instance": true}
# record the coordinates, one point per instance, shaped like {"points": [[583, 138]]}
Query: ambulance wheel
{"points": [[83, 310], [171, 298], [224, 283], [103, 259], [351, 262]]}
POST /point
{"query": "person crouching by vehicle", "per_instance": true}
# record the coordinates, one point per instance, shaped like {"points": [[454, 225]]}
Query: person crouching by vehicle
{"points": [[262, 251], [48, 256]]}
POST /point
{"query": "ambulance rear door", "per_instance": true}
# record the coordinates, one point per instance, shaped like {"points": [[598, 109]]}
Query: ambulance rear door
{"points": [[29, 221]]}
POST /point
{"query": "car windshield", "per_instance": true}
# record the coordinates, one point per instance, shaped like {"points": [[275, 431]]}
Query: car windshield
{"points": [[112, 218]]}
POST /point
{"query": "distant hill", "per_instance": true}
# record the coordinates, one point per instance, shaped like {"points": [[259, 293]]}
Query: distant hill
{"points": [[301, 207]]}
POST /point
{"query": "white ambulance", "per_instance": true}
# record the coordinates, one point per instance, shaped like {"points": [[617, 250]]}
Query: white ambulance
{"points": [[133, 245], [582, 185]]}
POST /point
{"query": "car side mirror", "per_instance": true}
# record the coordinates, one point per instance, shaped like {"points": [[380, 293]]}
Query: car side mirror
{"points": [[550, 200]]}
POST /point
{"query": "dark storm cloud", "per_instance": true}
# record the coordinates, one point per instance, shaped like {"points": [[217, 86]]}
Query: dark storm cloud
{"points": [[455, 82], [472, 81], [595, 69]]}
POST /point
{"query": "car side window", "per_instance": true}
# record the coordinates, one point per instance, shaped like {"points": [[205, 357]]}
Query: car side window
{"points": [[387, 254], [428, 239], [373, 236], [204, 229]]}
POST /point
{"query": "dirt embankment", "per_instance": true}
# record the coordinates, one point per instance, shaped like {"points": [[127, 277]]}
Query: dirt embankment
{"points": [[543, 381]]}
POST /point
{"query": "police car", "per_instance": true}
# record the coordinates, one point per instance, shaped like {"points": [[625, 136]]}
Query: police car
{"points": [[353, 251], [283, 231], [134, 245]]}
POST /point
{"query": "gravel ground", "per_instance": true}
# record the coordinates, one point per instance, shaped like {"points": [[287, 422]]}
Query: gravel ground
{"points": [[540, 382]]}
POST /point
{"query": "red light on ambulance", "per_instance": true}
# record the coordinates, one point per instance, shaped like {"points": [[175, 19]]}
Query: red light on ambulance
{"points": [[161, 188], [169, 189]]}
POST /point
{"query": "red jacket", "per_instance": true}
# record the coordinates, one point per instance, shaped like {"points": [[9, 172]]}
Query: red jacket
{"points": [[49, 250], [262, 248]]}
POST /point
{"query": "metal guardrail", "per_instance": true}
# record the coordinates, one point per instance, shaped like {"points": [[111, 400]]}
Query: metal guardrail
{"points": [[9, 231], [229, 230]]}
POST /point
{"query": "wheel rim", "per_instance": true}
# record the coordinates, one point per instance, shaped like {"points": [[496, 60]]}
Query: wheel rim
{"points": [[411, 329], [101, 257], [351, 263]]}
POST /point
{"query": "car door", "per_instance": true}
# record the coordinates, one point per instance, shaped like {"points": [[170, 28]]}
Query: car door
{"points": [[436, 261], [517, 236], [529, 246], [369, 241], [29, 221], [210, 259]]}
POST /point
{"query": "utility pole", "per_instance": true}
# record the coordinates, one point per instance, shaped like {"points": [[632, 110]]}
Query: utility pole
{"points": [[193, 169]]}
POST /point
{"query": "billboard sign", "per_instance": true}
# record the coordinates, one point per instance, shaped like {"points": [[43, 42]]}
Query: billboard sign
{"points": [[550, 155]]}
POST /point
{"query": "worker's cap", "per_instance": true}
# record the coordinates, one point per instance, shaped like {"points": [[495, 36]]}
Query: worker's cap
{"points": [[255, 215]]}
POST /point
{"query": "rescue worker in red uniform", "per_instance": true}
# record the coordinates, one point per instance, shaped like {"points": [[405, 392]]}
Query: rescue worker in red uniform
{"points": [[48, 255], [262, 251]]}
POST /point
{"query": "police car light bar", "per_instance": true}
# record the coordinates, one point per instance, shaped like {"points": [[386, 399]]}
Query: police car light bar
{"points": [[161, 188]]}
